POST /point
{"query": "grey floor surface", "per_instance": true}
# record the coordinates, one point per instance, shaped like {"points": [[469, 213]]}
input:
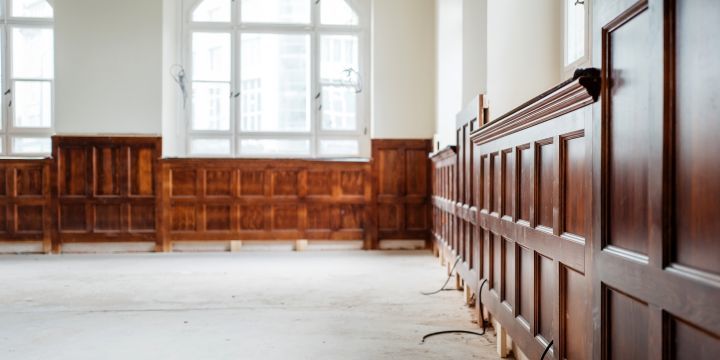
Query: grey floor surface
{"points": [[265, 305]]}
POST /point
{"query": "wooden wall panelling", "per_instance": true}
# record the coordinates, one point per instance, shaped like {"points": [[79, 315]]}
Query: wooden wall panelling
{"points": [[469, 234], [401, 172], [657, 280], [25, 202], [245, 199], [105, 189], [534, 214], [444, 199]]}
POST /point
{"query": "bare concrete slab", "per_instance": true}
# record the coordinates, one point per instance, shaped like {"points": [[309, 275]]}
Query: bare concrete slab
{"points": [[276, 305]]}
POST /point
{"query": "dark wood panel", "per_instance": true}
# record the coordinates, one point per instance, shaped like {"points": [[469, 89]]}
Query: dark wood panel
{"points": [[546, 176], [526, 176], [690, 342], [535, 155], [575, 170], [576, 302], [627, 327], [656, 285], [526, 286], [629, 143], [697, 173]]}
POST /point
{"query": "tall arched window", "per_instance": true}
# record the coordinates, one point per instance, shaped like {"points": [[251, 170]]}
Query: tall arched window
{"points": [[276, 78], [26, 75]]}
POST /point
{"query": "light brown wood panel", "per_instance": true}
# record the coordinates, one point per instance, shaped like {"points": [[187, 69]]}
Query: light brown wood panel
{"points": [[25, 198], [401, 171], [271, 199], [104, 189]]}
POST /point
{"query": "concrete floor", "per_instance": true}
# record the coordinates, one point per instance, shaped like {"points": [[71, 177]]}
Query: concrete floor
{"points": [[270, 305]]}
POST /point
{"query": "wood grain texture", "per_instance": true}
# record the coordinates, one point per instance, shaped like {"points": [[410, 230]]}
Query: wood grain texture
{"points": [[272, 199], [105, 189], [656, 280], [25, 199], [401, 173]]}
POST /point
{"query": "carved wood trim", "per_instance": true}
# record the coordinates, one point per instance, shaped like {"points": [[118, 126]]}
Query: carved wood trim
{"points": [[567, 97]]}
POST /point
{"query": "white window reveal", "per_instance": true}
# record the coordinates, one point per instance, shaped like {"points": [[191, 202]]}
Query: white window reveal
{"points": [[277, 78], [576, 35], [26, 77]]}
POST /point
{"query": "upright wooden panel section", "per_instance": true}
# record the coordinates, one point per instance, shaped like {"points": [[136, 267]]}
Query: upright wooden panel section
{"points": [[222, 199], [401, 170], [105, 190], [657, 264], [533, 196], [444, 188], [25, 202]]}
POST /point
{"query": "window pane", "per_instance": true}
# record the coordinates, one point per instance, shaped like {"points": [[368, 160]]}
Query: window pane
{"points": [[575, 31], [339, 147], [32, 8], [32, 53], [211, 106], [276, 11], [212, 11], [339, 53], [31, 145], [2, 149], [33, 104], [275, 83], [211, 56], [210, 147], [337, 12], [264, 147], [339, 111]]}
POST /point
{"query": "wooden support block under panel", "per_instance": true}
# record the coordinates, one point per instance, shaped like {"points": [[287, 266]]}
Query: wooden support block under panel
{"points": [[235, 246], [501, 337], [301, 245]]}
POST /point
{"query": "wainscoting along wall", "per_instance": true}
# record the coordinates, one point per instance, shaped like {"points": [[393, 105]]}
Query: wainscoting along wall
{"points": [[116, 189]]}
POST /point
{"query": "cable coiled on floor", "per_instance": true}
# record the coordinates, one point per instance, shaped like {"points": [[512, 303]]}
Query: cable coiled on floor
{"points": [[442, 288]]}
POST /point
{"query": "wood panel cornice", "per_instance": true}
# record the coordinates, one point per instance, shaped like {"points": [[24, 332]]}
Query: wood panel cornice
{"points": [[582, 90], [443, 154]]}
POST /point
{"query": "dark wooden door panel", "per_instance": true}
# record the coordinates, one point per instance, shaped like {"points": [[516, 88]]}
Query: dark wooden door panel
{"points": [[657, 283]]}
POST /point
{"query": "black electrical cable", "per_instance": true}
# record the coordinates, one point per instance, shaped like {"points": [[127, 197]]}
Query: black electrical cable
{"points": [[442, 288], [482, 320], [482, 317], [450, 332], [546, 350]]}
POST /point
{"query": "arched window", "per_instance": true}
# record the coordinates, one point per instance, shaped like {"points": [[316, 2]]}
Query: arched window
{"points": [[26, 75], [276, 78]]}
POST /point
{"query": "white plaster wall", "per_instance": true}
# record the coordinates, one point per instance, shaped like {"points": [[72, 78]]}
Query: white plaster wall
{"points": [[474, 49], [108, 66], [403, 69], [449, 69], [524, 51]]}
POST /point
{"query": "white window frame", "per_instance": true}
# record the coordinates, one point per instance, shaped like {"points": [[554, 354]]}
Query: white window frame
{"points": [[315, 29], [585, 60], [8, 130]]}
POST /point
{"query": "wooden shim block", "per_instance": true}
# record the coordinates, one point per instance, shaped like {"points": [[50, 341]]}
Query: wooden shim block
{"points": [[501, 338], [236, 246], [301, 245]]}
